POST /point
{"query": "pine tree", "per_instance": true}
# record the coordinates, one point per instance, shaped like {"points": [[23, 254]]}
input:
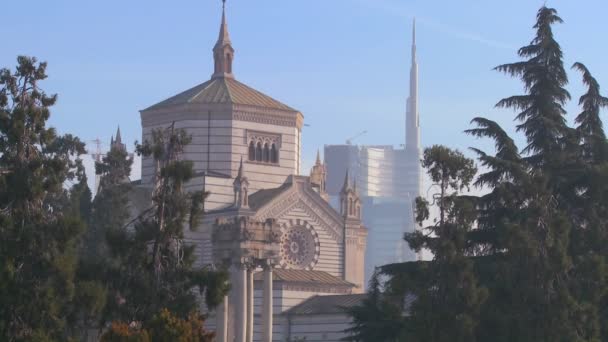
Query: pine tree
{"points": [[589, 209], [378, 318], [544, 77], [448, 297], [38, 239], [527, 218], [112, 197], [152, 267]]}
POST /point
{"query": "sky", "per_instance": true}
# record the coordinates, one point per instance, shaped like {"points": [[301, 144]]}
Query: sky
{"points": [[343, 63]]}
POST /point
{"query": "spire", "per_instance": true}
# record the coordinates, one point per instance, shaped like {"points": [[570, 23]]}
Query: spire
{"points": [[224, 37], [412, 125], [223, 53], [318, 177], [240, 172], [346, 185], [241, 188], [414, 40], [118, 139]]}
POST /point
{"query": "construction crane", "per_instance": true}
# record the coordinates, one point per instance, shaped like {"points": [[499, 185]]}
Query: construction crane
{"points": [[349, 141]]}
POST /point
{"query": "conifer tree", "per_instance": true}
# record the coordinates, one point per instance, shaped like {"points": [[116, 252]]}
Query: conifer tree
{"points": [[378, 318], [112, 197], [153, 268], [526, 218], [448, 297], [38, 238], [589, 209]]}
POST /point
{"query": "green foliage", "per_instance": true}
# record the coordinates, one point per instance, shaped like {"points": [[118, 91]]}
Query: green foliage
{"points": [[378, 318], [150, 267], [38, 233], [112, 197]]}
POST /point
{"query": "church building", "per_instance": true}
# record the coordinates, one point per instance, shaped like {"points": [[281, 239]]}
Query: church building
{"points": [[294, 261]]}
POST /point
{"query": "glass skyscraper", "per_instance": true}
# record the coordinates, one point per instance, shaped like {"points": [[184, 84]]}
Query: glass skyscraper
{"points": [[389, 180]]}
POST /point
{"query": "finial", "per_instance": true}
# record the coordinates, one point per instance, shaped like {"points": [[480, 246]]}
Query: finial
{"points": [[318, 158], [223, 4]]}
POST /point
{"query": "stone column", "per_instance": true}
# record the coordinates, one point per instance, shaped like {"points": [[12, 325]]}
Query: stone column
{"points": [[250, 304], [222, 321], [240, 306], [267, 305]]}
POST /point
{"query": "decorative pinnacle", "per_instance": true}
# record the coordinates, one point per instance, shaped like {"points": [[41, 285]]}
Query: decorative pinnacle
{"points": [[318, 162], [346, 185], [240, 173]]}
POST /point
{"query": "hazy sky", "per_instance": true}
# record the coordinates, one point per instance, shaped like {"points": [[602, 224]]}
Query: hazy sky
{"points": [[343, 63]]}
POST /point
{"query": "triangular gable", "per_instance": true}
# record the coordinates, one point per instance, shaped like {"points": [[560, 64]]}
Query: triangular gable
{"points": [[301, 195]]}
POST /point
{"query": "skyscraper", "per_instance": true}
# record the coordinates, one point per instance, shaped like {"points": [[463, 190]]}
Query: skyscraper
{"points": [[389, 180]]}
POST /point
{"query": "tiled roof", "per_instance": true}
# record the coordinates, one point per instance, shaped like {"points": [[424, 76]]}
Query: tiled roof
{"points": [[305, 277], [223, 90], [333, 304]]}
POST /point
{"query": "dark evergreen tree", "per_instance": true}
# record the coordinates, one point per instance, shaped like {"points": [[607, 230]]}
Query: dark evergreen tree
{"points": [[527, 220], [589, 209], [379, 318], [448, 297], [112, 197], [38, 238], [152, 268]]}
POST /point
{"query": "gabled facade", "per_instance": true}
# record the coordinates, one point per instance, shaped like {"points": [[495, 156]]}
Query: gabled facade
{"points": [[272, 229]]}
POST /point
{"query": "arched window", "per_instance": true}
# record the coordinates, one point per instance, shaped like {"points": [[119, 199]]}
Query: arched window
{"points": [[251, 151], [266, 153], [350, 206], [274, 155], [258, 152]]}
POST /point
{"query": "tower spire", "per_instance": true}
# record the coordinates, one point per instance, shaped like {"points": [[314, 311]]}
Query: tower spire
{"points": [[223, 53], [412, 126], [414, 40], [116, 141], [118, 138]]}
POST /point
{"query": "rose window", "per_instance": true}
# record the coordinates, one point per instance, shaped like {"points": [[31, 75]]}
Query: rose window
{"points": [[299, 247]]}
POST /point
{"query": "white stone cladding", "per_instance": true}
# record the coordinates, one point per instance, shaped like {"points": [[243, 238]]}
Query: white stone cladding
{"points": [[219, 139]]}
